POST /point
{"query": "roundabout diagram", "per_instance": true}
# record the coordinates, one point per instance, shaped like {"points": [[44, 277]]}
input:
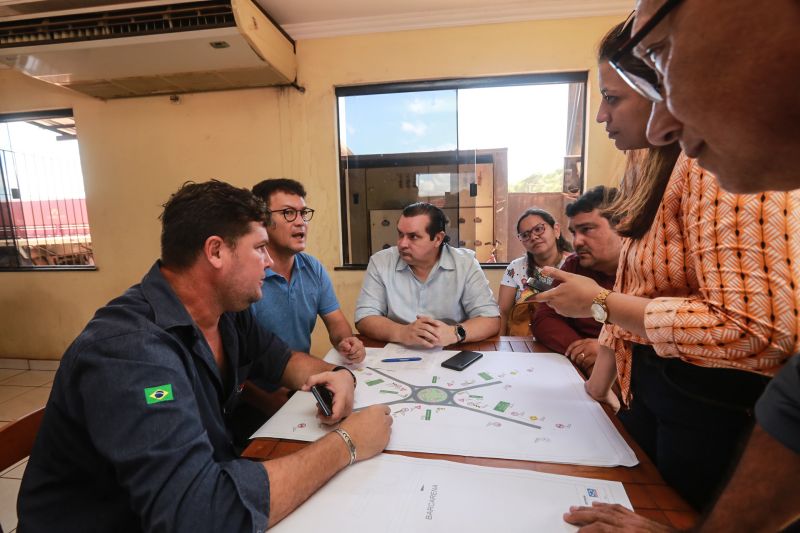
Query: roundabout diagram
{"points": [[507, 405], [440, 396]]}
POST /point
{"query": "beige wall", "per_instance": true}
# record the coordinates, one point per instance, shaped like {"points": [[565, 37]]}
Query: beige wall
{"points": [[136, 152]]}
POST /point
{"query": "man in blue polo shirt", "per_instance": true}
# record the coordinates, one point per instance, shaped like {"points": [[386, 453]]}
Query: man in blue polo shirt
{"points": [[297, 288]]}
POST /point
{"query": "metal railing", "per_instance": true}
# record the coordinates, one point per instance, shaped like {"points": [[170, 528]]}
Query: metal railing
{"points": [[42, 222]]}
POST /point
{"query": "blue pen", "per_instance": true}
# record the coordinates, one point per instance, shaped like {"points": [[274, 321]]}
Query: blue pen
{"points": [[401, 359]]}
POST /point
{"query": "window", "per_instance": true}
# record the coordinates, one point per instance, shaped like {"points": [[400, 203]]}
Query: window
{"points": [[484, 150], [43, 220]]}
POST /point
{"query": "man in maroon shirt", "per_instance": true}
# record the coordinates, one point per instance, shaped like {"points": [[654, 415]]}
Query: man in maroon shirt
{"points": [[596, 255]]}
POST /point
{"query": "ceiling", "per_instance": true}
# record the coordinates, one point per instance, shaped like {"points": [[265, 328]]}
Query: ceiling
{"points": [[306, 19]]}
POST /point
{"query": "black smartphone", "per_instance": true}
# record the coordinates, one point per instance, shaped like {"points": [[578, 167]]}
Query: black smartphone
{"points": [[324, 399], [540, 283], [462, 360]]}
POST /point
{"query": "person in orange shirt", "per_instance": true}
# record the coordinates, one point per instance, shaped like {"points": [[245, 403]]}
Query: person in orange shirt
{"points": [[743, 124], [701, 314]]}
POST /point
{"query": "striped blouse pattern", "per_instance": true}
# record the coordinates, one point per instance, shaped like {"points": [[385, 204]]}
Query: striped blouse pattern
{"points": [[723, 270]]}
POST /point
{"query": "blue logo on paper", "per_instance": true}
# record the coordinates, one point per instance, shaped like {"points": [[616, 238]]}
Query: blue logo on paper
{"points": [[592, 493]]}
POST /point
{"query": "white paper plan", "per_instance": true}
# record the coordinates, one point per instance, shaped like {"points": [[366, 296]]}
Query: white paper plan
{"points": [[393, 494], [526, 406]]}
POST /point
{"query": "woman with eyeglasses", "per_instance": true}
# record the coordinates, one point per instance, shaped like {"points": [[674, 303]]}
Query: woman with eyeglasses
{"points": [[544, 246], [705, 305]]}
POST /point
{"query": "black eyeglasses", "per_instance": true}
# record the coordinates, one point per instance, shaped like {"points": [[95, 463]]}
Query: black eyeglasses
{"points": [[641, 85], [537, 230], [290, 213]]}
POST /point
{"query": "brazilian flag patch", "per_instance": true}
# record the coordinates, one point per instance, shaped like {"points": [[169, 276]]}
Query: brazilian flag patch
{"points": [[161, 393]]}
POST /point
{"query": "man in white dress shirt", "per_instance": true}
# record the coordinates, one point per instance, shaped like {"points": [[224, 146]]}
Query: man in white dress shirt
{"points": [[423, 292]]}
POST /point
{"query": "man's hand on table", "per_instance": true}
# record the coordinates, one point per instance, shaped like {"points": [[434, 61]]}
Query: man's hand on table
{"points": [[369, 429], [583, 352], [602, 517], [445, 333], [427, 333], [352, 349], [342, 386]]}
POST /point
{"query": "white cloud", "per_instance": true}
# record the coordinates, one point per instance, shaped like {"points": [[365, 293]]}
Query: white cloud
{"points": [[417, 129]]}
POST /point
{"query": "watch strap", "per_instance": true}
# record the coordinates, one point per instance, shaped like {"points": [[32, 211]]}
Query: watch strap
{"points": [[600, 300], [461, 334], [336, 368]]}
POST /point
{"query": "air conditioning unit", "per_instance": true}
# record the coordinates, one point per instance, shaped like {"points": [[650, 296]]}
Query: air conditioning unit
{"points": [[151, 48]]}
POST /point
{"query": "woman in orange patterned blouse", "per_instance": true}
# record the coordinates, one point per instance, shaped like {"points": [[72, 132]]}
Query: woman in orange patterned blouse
{"points": [[703, 312]]}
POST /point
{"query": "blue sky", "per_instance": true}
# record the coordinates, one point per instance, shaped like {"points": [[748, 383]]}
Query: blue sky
{"points": [[400, 122], [529, 120]]}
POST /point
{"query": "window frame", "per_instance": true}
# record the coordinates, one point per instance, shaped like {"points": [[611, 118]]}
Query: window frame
{"points": [[578, 76], [41, 115]]}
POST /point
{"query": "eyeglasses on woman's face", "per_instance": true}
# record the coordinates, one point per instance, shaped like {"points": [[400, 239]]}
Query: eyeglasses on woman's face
{"points": [[535, 231]]}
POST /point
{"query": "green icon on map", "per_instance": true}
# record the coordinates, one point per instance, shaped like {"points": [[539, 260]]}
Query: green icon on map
{"points": [[502, 406]]}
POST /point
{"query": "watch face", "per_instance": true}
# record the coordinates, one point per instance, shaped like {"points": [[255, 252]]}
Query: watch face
{"points": [[598, 312], [462, 333]]}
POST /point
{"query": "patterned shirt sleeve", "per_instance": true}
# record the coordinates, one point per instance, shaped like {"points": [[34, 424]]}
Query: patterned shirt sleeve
{"points": [[723, 272], [745, 251]]}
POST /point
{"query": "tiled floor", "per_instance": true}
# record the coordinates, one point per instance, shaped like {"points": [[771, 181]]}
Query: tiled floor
{"points": [[24, 387]]}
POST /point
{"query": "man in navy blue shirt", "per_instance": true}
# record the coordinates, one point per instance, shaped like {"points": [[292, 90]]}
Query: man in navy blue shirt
{"points": [[136, 434]]}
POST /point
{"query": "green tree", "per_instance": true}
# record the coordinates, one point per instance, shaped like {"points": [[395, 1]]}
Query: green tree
{"points": [[538, 182]]}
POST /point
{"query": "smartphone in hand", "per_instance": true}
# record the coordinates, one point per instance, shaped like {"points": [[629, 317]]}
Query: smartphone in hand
{"points": [[324, 399], [461, 360], [540, 283]]}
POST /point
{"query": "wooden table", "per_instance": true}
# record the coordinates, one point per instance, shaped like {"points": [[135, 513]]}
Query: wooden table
{"points": [[649, 494]]}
